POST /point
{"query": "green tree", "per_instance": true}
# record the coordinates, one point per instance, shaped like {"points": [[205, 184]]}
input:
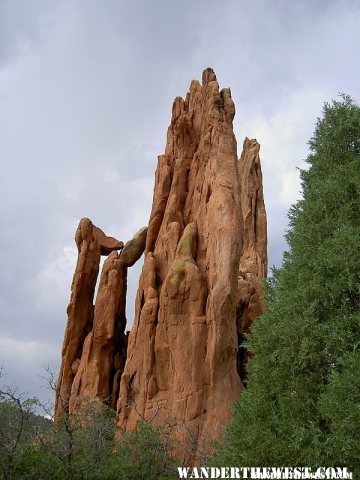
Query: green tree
{"points": [[144, 453], [302, 402], [18, 423], [81, 446], [78, 447]]}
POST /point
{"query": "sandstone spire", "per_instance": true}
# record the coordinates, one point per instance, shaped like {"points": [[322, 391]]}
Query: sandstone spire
{"points": [[182, 362], [95, 343], [253, 260], [199, 290]]}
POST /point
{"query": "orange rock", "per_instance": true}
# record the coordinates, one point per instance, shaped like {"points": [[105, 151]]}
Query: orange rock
{"points": [[253, 260], [109, 315], [106, 341], [107, 244], [199, 291], [182, 362], [80, 309], [104, 351]]}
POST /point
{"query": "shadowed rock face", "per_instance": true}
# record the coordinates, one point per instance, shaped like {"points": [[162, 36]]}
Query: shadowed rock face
{"points": [[199, 288], [253, 260]]}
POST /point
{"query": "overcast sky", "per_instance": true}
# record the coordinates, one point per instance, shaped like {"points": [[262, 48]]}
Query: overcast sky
{"points": [[86, 89]]}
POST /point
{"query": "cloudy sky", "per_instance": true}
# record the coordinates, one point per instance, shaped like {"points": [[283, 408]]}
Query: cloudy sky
{"points": [[86, 88]]}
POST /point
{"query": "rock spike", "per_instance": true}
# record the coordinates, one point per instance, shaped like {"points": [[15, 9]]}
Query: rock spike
{"points": [[184, 362], [184, 344]]}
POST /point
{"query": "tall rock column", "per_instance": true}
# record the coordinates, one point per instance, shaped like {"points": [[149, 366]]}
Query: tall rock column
{"points": [[253, 260], [104, 351], [91, 243], [199, 291], [95, 343], [181, 365]]}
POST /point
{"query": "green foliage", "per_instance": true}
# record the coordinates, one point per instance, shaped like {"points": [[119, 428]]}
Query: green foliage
{"points": [[81, 447], [37, 463], [301, 404], [17, 425], [81, 444], [142, 454]]}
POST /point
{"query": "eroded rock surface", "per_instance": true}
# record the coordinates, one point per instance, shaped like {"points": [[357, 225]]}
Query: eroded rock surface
{"points": [[199, 291], [182, 361], [95, 343], [253, 260], [104, 348]]}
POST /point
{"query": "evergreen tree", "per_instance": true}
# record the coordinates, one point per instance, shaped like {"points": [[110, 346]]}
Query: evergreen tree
{"points": [[301, 406]]}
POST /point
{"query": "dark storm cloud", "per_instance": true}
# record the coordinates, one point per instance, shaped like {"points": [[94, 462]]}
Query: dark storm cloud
{"points": [[86, 90]]}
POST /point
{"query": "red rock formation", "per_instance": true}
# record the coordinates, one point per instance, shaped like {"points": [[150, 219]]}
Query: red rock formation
{"points": [[104, 348], [253, 260], [181, 363], [95, 343], [104, 351], [199, 290]]}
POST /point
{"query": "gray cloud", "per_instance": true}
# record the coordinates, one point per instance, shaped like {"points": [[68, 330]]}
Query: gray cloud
{"points": [[86, 90]]}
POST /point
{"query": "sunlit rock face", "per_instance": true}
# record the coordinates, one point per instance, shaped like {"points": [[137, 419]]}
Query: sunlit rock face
{"points": [[205, 246], [199, 289], [95, 343]]}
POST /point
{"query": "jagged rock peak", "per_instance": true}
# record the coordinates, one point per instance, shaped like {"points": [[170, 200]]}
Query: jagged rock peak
{"points": [[254, 255], [183, 347], [253, 259], [208, 76], [183, 363]]}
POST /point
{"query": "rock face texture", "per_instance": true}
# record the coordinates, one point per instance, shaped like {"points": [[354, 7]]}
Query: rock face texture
{"points": [[199, 288], [95, 343], [253, 260]]}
